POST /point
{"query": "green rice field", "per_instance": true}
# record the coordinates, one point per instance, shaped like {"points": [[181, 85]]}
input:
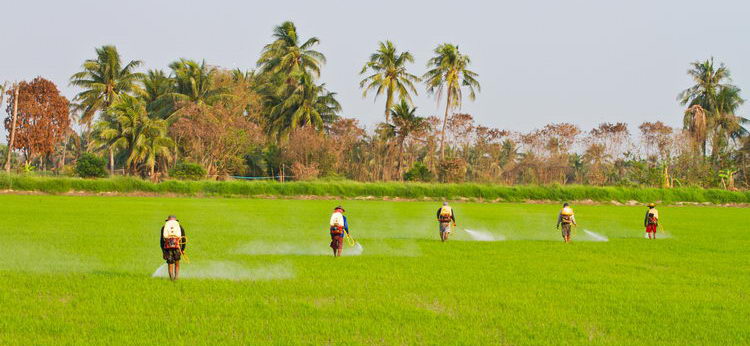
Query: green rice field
{"points": [[88, 270]]}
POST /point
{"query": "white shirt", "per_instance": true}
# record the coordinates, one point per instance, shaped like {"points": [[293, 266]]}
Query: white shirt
{"points": [[337, 219]]}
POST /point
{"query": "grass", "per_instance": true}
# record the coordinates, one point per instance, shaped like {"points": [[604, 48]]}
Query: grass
{"points": [[77, 270], [351, 189]]}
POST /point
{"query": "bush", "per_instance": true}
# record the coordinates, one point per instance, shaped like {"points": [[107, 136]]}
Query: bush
{"points": [[351, 189], [188, 171], [419, 172], [91, 166]]}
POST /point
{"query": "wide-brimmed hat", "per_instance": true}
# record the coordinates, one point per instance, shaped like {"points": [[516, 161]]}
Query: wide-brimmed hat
{"points": [[651, 205]]}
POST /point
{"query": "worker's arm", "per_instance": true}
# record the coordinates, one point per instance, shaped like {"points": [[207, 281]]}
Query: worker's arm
{"points": [[346, 225], [184, 238], [438, 213], [645, 220], [453, 216], [573, 219], [161, 238], [559, 220]]}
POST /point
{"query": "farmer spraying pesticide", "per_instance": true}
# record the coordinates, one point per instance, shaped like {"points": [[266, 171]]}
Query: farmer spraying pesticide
{"points": [[566, 219], [172, 242], [651, 222], [445, 216], [339, 229]]}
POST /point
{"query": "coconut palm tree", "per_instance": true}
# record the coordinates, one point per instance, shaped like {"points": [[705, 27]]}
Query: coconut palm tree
{"points": [[103, 79], [712, 103], [448, 73], [708, 80], [193, 82], [156, 85], [305, 104], [406, 123], [288, 55], [129, 128], [154, 144], [389, 76], [728, 100]]}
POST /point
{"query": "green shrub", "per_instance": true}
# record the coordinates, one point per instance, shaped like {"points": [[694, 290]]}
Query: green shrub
{"points": [[419, 172], [188, 171], [352, 189], [91, 166]]}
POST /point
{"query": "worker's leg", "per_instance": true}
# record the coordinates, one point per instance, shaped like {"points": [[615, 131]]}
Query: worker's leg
{"points": [[170, 268], [176, 269]]}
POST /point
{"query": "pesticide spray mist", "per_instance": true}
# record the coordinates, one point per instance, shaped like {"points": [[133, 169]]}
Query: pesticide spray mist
{"points": [[593, 236], [484, 236], [303, 249], [229, 271]]}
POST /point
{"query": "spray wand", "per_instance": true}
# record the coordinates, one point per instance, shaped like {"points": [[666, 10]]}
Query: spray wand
{"points": [[350, 240], [182, 242]]}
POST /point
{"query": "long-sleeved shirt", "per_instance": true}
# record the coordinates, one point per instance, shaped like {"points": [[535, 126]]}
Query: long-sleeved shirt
{"points": [[651, 211], [161, 238], [560, 219], [453, 215]]}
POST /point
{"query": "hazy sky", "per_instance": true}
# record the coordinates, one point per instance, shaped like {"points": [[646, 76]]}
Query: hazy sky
{"points": [[584, 62]]}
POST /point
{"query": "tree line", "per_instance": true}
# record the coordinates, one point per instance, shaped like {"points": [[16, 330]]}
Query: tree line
{"points": [[279, 120]]}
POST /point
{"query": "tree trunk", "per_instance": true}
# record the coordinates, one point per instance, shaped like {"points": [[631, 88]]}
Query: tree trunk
{"points": [[388, 105], [400, 157], [445, 121], [12, 129], [61, 166], [111, 161]]}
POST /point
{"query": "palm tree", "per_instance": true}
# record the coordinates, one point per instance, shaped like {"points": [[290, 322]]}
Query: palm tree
{"points": [[103, 79], [306, 104], [718, 100], [389, 75], [193, 83], [708, 80], [129, 128], [406, 123], [285, 55], [448, 73], [728, 100], [155, 144], [156, 85]]}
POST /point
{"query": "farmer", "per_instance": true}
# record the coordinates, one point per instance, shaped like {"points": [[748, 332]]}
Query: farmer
{"points": [[339, 225], [172, 243], [566, 219], [444, 216], [651, 221]]}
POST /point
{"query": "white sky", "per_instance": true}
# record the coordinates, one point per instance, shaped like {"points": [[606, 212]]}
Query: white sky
{"points": [[539, 62]]}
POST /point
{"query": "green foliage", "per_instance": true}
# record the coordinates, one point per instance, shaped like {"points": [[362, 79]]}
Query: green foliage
{"points": [[389, 76], [352, 189], [128, 127], [91, 166], [103, 79], [188, 171], [419, 172], [28, 168]]}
